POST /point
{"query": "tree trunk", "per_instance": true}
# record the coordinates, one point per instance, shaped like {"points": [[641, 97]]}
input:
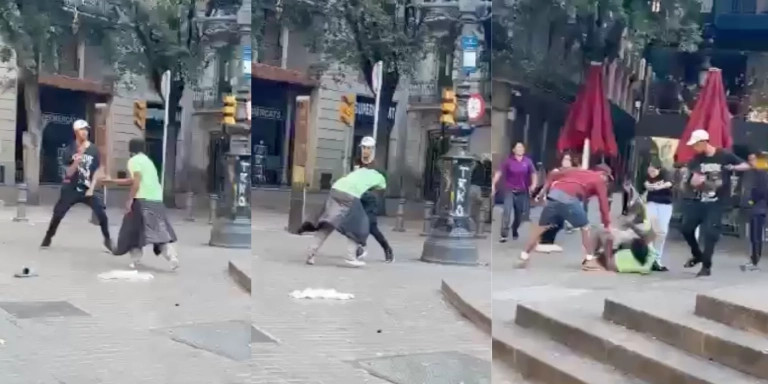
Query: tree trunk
{"points": [[382, 140], [174, 126], [34, 135]]}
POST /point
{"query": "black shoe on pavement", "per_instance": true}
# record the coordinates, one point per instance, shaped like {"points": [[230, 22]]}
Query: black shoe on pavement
{"points": [[503, 240], [692, 262], [704, 272], [656, 267], [389, 257], [749, 267], [46, 243], [515, 236]]}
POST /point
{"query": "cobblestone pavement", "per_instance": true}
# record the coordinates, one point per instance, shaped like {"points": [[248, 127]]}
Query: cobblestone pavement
{"points": [[398, 308], [119, 342]]}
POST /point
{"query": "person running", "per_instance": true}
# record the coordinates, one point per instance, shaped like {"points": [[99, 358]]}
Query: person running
{"points": [[566, 192], [371, 202], [658, 186], [146, 221], [519, 176], [343, 212], [83, 161], [710, 180], [756, 191], [547, 243]]}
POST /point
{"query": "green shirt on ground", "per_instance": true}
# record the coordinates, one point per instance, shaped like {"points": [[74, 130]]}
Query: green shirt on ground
{"points": [[360, 181], [627, 263], [150, 188]]}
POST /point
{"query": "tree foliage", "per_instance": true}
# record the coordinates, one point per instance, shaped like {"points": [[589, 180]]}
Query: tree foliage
{"points": [[588, 30]]}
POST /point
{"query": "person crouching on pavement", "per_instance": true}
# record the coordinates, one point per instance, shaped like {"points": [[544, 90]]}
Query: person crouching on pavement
{"points": [[145, 221], [344, 212], [371, 202], [566, 192]]}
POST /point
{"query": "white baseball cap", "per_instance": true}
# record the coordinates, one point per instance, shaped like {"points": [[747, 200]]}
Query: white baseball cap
{"points": [[697, 136], [368, 142], [80, 124]]}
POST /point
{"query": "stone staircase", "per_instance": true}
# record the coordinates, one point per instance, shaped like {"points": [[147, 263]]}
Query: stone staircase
{"points": [[661, 338]]}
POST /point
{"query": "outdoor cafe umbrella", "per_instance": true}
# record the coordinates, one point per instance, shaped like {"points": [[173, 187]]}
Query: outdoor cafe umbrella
{"points": [[710, 114], [588, 127]]}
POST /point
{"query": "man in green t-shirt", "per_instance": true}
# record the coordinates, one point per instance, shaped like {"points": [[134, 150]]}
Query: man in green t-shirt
{"points": [[146, 221], [344, 212]]}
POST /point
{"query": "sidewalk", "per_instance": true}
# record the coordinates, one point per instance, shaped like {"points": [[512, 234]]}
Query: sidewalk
{"points": [[398, 310], [124, 336]]}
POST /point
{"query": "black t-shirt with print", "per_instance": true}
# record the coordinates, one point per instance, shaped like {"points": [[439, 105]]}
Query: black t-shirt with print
{"points": [[718, 184], [660, 196], [81, 180]]}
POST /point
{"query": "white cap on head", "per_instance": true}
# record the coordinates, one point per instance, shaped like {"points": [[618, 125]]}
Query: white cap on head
{"points": [[697, 136], [368, 142], [79, 124]]}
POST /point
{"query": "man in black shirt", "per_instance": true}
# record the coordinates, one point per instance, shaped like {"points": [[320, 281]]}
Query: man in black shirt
{"points": [[83, 160], [755, 192], [710, 184]]}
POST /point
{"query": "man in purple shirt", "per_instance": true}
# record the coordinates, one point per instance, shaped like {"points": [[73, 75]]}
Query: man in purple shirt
{"points": [[520, 180]]}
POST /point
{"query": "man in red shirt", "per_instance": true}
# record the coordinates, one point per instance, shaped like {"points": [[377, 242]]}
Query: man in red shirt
{"points": [[566, 191]]}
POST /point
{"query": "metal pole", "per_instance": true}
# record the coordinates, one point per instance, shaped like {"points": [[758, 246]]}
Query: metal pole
{"points": [[190, 206], [480, 228], [212, 206], [428, 207], [21, 204], [400, 223]]}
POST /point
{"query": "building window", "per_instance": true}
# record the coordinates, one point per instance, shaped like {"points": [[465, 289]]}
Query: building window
{"points": [[655, 6]]}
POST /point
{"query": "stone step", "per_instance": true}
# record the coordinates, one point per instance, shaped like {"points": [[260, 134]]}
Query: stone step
{"points": [[745, 309], [675, 324], [636, 354], [544, 361]]}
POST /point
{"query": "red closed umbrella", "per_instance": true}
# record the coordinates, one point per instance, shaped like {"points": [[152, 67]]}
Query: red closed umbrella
{"points": [[589, 127], [710, 114]]}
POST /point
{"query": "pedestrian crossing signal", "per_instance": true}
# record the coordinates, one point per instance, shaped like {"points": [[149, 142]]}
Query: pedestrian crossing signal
{"points": [[347, 110], [140, 114], [230, 107], [448, 107]]}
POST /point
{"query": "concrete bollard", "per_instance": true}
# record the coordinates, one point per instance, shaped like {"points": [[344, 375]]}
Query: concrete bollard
{"points": [[21, 204], [190, 207], [428, 207], [400, 221], [213, 203]]}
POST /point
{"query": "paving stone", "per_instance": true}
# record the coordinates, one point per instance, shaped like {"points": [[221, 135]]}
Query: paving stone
{"points": [[228, 338], [40, 309], [430, 368]]}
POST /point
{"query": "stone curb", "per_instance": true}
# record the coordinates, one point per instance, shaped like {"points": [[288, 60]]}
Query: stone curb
{"points": [[240, 275], [475, 315]]}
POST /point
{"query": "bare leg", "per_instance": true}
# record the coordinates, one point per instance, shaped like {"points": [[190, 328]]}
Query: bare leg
{"points": [[320, 237], [532, 242]]}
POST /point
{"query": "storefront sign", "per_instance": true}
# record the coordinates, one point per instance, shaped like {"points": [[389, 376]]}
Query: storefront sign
{"points": [[266, 113], [57, 118], [365, 108]]}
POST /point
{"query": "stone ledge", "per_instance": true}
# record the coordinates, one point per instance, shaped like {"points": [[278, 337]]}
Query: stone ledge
{"points": [[468, 307], [241, 274]]}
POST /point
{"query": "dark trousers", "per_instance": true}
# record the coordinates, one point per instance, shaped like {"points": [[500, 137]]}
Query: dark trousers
{"points": [[376, 233], [69, 198], [548, 237], [517, 203], [757, 236], [707, 216]]}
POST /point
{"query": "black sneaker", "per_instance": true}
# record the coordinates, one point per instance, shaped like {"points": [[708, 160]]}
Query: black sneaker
{"points": [[46, 243], [360, 253], [503, 240], [108, 245], [388, 256], [749, 267], [692, 262], [704, 272], [656, 267], [515, 236]]}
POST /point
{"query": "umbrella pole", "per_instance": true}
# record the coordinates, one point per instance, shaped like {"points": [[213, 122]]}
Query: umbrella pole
{"points": [[585, 155]]}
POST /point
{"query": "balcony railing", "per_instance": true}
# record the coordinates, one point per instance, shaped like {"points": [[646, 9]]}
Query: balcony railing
{"points": [[666, 98], [426, 92], [208, 98]]}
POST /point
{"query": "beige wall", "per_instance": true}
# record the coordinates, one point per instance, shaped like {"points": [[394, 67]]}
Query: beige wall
{"points": [[8, 97]]}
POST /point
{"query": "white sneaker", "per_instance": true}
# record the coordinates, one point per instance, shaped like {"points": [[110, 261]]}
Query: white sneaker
{"points": [[174, 263], [555, 248], [311, 260], [355, 263], [134, 264], [543, 248]]}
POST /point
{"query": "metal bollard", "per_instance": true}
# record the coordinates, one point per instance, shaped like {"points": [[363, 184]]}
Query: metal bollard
{"points": [[21, 204], [428, 206], [213, 203], [480, 227], [400, 221], [190, 206]]}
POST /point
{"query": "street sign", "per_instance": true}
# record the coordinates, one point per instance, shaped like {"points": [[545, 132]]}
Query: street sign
{"points": [[376, 76], [165, 87], [475, 107], [247, 58], [469, 48]]}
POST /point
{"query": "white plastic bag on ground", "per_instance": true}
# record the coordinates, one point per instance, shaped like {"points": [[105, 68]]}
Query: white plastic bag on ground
{"points": [[329, 294], [126, 275]]}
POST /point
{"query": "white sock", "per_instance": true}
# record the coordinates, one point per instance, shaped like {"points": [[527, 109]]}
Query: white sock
{"points": [[589, 257], [524, 256]]}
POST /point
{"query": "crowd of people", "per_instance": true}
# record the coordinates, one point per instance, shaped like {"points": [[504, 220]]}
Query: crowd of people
{"points": [[635, 242]]}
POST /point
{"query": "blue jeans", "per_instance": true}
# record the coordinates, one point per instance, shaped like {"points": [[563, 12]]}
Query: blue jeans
{"points": [[517, 202], [555, 213]]}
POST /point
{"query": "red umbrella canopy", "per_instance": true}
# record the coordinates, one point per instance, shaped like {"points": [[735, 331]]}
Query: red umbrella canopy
{"points": [[710, 114], [589, 118]]}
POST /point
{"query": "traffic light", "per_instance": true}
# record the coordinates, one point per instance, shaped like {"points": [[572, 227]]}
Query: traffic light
{"points": [[140, 114], [448, 107], [347, 110], [230, 107]]}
